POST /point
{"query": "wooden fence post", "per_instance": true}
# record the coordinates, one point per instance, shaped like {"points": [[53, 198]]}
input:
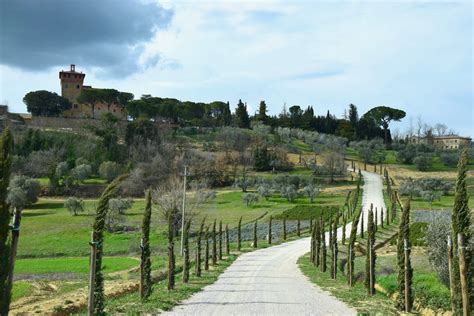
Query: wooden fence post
{"points": [[463, 275], [407, 286], [90, 303]]}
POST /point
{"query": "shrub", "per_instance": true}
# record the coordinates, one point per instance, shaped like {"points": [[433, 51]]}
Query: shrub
{"points": [[81, 172], [417, 233], [22, 191], [120, 205], [109, 170], [449, 158], [436, 234], [423, 162], [264, 190], [250, 198], [289, 192], [74, 205]]}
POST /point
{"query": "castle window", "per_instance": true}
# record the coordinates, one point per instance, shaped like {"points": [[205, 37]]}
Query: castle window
{"points": [[77, 86], [114, 110], [75, 105]]}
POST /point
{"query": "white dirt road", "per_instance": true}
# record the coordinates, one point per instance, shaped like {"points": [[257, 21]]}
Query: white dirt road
{"points": [[269, 282]]}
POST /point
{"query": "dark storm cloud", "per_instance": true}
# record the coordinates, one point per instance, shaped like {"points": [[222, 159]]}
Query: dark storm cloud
{"points": [[107, 34]]}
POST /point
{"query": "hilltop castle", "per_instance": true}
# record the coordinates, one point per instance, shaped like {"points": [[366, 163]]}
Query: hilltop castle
{"points": [[72, 84]]}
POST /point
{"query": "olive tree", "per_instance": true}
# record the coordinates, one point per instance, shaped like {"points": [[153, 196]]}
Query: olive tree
{"points": [[74, 205]]}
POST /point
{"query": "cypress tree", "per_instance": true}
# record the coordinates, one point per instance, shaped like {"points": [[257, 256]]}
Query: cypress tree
{"points": [[206, 251], [145, 271], [404, 234], [461, 225], [270, 231], [344, 224], [214, 244], [376, 220], [313, 246], [284, 227], [311, 225], [255, 234], [350, 247], [394, 208], [6, 147], [323, 249], [317, 236], [298, 228], [370, 255], [362, 226], [387, 217], [239, 234], [227, 241], [220, 240], [334, 249], [186, 262], [381, 217], [199, 248], [99, 226], [242, 116], [171, 258]]}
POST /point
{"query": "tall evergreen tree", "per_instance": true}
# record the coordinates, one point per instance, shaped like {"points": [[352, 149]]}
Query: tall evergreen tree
{"points": [[317, 242], [186, 261], [404, 234], [206, 251], [351, 244], [220, 240], [98, 227], [323, 248], [262, 112], [255, 234], [226, 115], [239, 234], [227, 241], [145, 271], [370, 255], [270, 231], [214, 244], [242, 116], [199, 248], [461, 225], [6, 148]]}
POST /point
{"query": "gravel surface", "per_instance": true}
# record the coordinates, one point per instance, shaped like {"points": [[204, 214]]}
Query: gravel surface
{"points": [[269, 282]]}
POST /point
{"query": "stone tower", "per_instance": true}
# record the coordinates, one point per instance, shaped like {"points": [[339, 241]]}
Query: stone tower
{"points": [[71, 84]]}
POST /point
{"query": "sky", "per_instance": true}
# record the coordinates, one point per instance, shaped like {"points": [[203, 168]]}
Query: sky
{"points": [[412, 55]]}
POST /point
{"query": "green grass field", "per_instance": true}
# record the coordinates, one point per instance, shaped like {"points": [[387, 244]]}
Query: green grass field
{"points": [[355, 296], [71, 265]]}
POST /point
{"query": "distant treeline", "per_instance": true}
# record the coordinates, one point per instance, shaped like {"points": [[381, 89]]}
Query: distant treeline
{"points": [[218, 113]]}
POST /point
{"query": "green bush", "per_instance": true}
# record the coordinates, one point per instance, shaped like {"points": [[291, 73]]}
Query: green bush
{"points": [[427, 289], [417, 233], [305, 212]]}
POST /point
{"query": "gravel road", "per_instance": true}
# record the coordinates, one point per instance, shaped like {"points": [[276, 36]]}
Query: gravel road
{"points": [[269, 282]]}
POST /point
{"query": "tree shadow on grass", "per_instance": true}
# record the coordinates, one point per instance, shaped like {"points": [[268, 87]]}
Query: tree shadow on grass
{"points": [[46, 205]]}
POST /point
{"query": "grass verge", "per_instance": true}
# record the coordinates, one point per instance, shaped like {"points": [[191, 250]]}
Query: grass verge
{"points": [[355, 296]]}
